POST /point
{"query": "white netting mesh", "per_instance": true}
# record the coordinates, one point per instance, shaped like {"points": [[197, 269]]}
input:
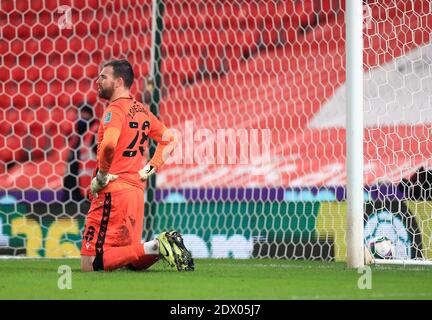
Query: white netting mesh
{"points": [[255, 92]]}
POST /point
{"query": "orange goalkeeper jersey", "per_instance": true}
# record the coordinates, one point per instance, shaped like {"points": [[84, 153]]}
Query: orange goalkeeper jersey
{"points": [[136, 125]]}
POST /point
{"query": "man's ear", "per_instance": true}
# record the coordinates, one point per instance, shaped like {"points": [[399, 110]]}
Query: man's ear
{"points": [[118, 82]]}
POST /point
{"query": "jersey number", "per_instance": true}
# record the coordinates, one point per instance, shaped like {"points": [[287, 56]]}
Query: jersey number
{"points": [[130, 152]]}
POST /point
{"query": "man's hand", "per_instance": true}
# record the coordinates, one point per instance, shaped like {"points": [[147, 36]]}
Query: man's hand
{"points": [[146, 172], [101, 181]]}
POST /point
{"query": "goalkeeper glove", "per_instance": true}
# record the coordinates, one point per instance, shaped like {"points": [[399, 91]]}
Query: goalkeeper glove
{"points": [[146, 172], [101, 181]]}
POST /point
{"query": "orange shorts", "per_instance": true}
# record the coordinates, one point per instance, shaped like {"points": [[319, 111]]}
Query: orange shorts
{"points": [[115, 219]]}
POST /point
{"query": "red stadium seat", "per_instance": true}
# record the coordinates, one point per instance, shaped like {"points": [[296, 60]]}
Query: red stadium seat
{"points": [[5, 101], [7, 6], [45, 18], [77, 98], [20, 129], [15, 18], [306, 11], [51, 128], [86, 85], [28, 115], [54, 59], [32, 73], [214, 59], [77, 72], [4, 73], [50, 5], [12, 115], [6, 155], [242, 45], [81, 29], [71, 114], [17, 46], [13, 143], [48, 100], [19, 101], [34, 101], [42, 114], [52, 29], [29, 142], [47, 73], [38, 32], [92, 71], [31, 46], [59, 140], [89, 43], [10, 59], [83, 58], [61, 45], [9, 32], [30, 17], [79, 5], [36, 129], [57, 114], [62, 73], [18, 74], [69, 58], [74, 44], [11, 88], [63, 100], [23, 32], [179, 70], [55, 87], [43, 142], [40, 60], [41, 87], [5, 128], [25, 87]]}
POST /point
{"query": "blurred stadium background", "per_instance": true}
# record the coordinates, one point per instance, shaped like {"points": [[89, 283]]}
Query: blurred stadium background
{"points": [[276, 65]]}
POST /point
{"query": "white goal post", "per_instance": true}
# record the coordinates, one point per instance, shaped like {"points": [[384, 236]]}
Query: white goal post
{"points": [[389, 86], [354, 135], [405, 262]]}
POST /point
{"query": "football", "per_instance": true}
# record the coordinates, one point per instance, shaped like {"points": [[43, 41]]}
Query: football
{"points": [[382, 248]]}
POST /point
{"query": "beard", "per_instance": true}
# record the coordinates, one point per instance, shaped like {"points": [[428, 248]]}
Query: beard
{"points": [[106, 93]]}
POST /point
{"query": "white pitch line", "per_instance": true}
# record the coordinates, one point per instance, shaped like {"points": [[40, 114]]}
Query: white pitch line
{"points": [[363, 297]]}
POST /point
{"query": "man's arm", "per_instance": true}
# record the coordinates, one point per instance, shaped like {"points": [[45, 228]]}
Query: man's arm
{"points": [[106, 155], [166, 144], [107, 149], [112, 127]]}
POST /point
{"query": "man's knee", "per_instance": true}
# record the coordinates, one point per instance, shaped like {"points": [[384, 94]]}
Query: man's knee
{"points": [[87, 263]]}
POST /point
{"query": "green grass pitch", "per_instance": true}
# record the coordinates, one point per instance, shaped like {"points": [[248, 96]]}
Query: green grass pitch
{"points": [[214, 279]]}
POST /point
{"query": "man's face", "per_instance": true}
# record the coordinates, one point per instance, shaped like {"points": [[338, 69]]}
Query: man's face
{"points": [[105, 83]]}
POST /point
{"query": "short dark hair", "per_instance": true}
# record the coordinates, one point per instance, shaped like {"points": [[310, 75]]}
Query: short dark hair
{"points": [[123, 69]]}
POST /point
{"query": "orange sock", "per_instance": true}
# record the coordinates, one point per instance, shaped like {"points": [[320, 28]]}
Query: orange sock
{"points": [[117, 257], [145, 262]]}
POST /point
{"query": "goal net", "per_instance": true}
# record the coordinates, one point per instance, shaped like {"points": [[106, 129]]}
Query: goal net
{"points": [[254, 92]]}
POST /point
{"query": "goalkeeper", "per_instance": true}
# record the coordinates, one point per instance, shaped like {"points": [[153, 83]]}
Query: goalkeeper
{"points": [[114, 224]]}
